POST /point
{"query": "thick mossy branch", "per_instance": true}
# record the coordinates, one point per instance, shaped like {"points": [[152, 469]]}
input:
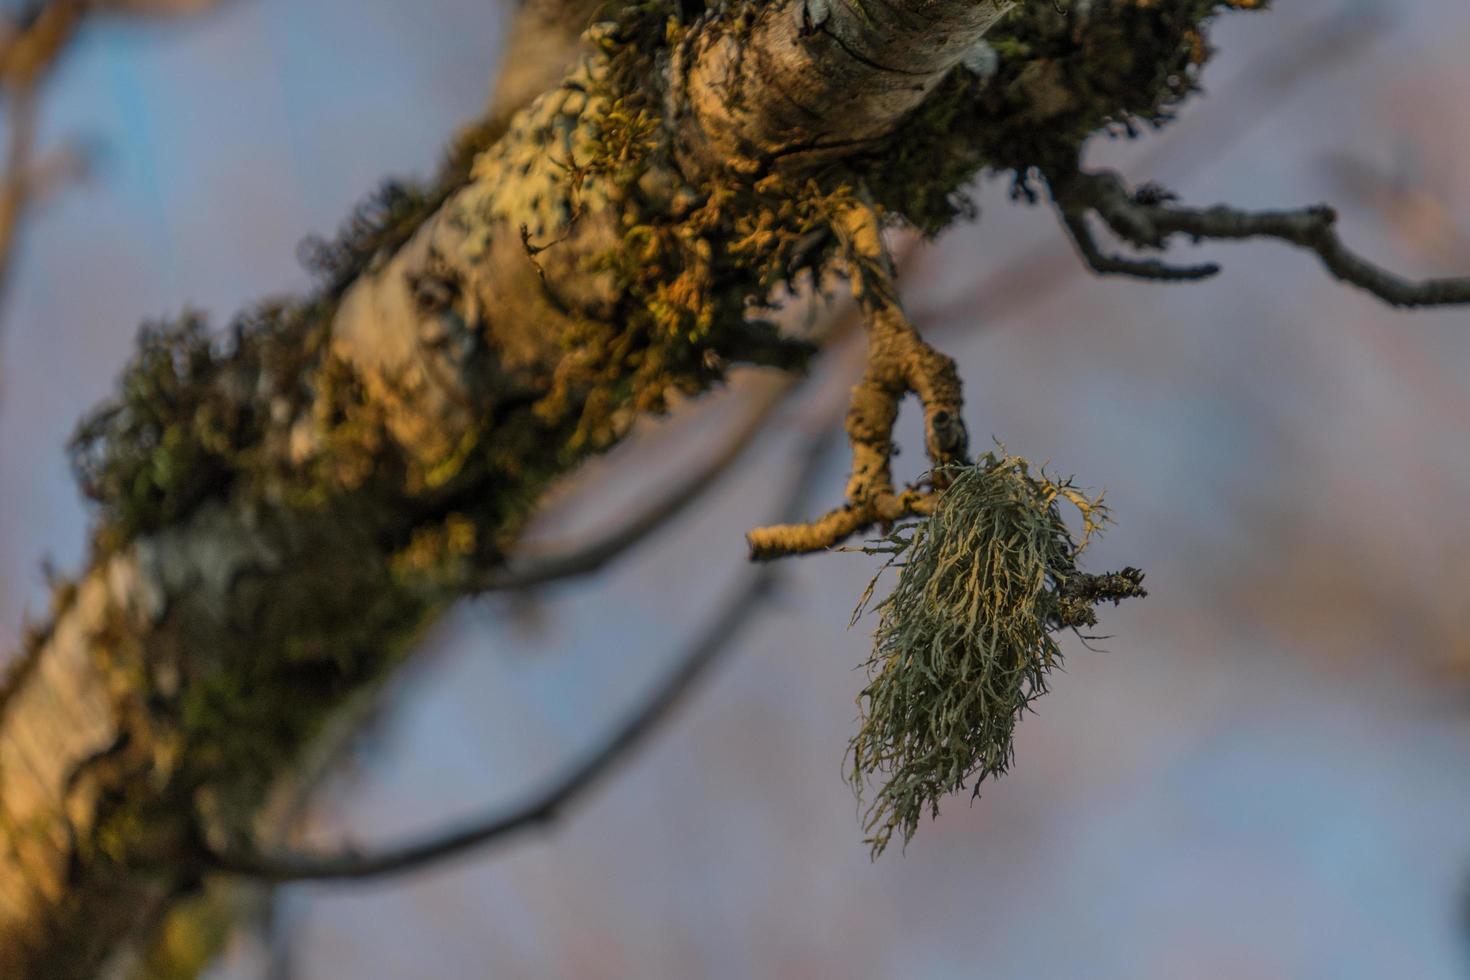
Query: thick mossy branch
{"points": [[197, 413], [964, 642], [1044, 80], [284, 508], [1048, 77]]}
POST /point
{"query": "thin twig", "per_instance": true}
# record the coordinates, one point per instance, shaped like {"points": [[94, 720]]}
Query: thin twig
{"points": [[1314, 229], [16, 182], [1105, 264], [544, 805], [1148, 218], [557, 563], [547, 804], [36, 36]]}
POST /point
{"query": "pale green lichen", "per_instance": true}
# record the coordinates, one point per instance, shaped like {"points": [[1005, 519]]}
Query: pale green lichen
{"points": [[964, 642]]}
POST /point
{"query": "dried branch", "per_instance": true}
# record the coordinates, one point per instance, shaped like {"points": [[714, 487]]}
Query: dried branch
{"points": [[1148, 218], [17, 180], [1255, 93], [27, 50], [544, 805]]}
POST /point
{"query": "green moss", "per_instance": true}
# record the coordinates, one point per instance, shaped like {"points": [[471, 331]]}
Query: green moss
{"points": [[154, 453], [193, 416]]}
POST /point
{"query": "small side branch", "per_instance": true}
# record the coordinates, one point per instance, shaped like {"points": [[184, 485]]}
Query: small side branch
{"points": [[1082, 592], [557, 564], [899, 361], [1148, 218], [836, 526], [1105, 264]]}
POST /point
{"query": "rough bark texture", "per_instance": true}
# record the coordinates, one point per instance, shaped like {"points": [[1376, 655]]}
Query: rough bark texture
{"points": [[788, 84], [280, 515]]}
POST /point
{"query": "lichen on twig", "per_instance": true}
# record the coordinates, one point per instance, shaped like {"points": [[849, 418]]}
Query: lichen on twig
{"points": [[965, 640]]}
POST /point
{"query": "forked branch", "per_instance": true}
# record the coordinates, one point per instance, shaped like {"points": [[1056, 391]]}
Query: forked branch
{"points": [[1147, 218], [899, 361]]}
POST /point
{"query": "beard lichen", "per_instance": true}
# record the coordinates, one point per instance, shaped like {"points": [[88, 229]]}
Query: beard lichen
{"points": [[964, 641]]}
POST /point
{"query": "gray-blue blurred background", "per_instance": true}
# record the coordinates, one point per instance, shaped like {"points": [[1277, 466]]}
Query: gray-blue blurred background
{"points": [[1264, 773]]}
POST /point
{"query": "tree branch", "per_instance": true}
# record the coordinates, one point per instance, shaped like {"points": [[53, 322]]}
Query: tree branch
{"points": [[348, 465], [1147, 219], [282, 513], [1105, 264], [899, 361], [558, 562]]}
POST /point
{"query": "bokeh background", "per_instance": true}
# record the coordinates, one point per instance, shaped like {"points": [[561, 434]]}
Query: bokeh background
{"points": [[1262, 773]]}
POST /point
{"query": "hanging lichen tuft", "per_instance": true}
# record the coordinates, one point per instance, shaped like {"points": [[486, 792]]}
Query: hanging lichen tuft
{"points": [[964, 642]]}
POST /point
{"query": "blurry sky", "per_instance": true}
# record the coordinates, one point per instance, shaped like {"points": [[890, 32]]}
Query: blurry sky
{"points": [[1263, 773]]}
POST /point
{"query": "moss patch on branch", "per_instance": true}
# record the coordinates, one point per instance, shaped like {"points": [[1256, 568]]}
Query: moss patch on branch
{"points": [[695, 267], [1060, 73]]}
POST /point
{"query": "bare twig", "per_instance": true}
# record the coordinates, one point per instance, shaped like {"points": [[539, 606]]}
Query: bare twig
{"points": [[15, 181], [1105, 264], [1148, 218], [550, 802], [557, 563], [30, 45], [543, 806]]}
